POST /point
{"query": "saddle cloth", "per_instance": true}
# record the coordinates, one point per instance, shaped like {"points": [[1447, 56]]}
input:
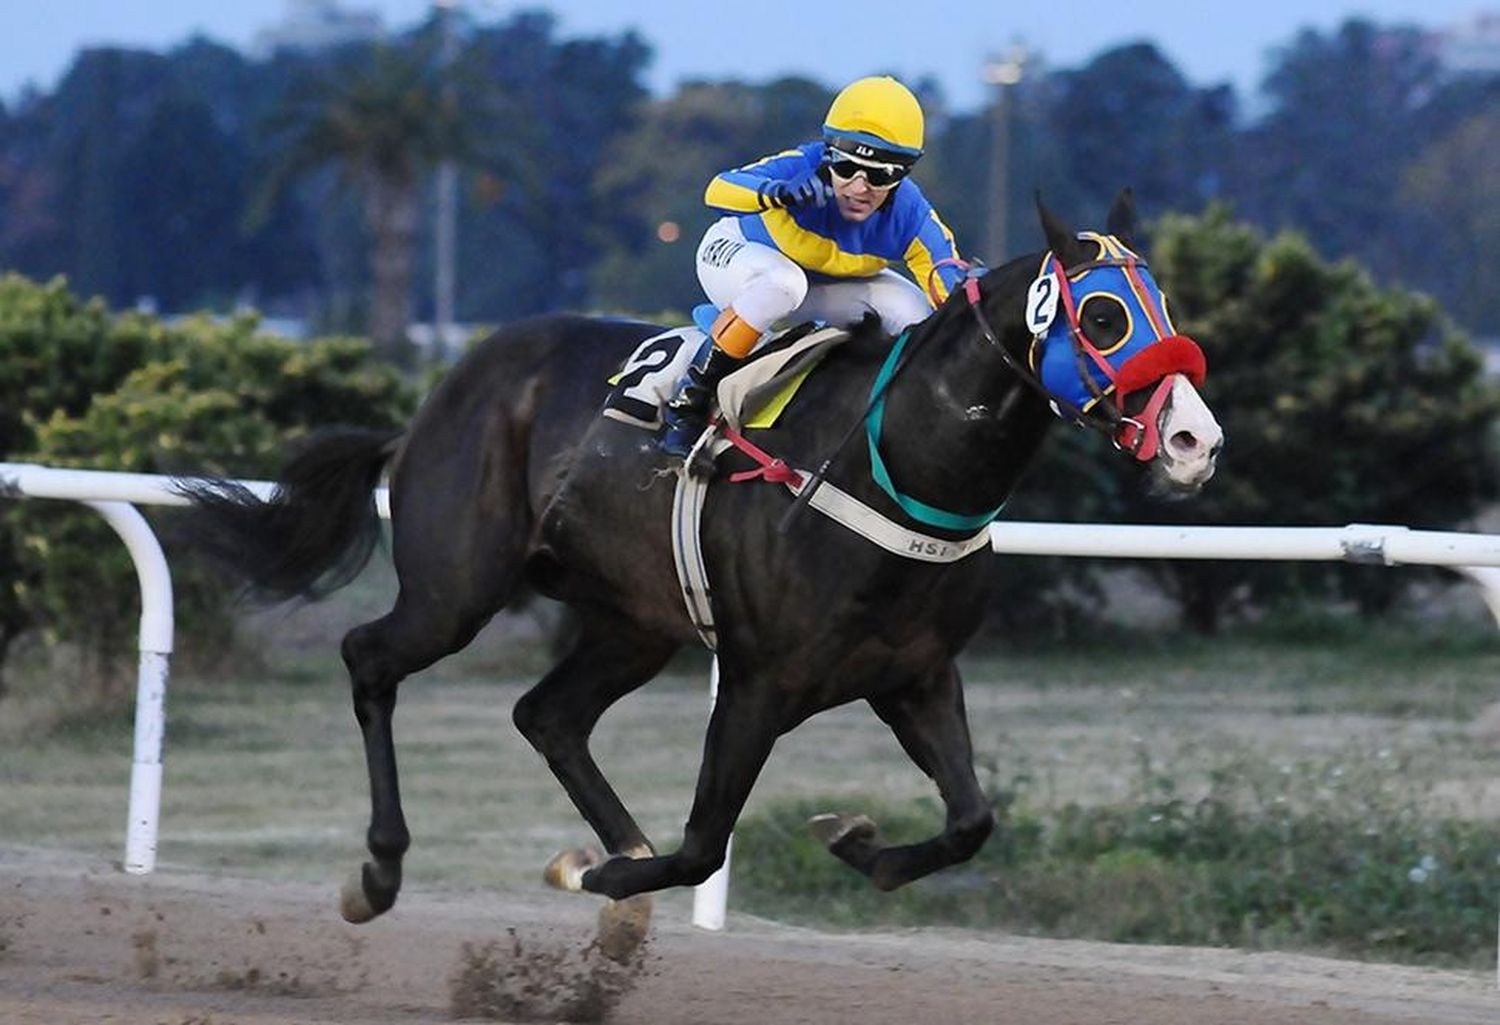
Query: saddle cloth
{"points": [[752, 396]]}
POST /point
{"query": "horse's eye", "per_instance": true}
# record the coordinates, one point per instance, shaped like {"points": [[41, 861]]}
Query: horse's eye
{"points": [[1105, 318]]}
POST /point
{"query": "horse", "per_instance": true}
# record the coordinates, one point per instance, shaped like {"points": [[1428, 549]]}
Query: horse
{"points": [[508, 478]]}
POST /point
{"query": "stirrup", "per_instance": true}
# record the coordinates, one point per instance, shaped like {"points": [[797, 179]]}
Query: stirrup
{"points": [[694, 445], [681, 435]]}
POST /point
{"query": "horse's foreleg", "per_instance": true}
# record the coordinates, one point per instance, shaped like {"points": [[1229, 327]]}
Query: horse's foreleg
{"points": [[929, 721], [740, 738]]}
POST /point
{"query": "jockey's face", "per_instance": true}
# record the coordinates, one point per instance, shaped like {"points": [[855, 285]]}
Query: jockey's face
{"points": [[857, 198]]}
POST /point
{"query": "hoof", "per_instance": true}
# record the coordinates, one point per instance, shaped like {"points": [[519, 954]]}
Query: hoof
{"points": [[354, 905], [623, 925], [565, 870], [832, 829], [360, 900]]}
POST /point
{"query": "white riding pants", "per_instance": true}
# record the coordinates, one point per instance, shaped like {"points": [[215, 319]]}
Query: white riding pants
{"points": [[763, 286]]}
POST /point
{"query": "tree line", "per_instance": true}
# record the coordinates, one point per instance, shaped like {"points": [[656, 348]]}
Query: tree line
{"points": [[202, 178]]}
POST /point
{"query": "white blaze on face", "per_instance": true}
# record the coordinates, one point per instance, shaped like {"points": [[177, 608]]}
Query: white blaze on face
{"points": [[1190, 436]]}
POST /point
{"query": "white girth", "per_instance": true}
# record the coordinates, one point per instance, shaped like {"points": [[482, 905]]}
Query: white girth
{"points": [[828, 499]]}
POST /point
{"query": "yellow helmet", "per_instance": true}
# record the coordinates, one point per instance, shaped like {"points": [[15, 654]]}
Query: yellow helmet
{"points": [[880, 117]]}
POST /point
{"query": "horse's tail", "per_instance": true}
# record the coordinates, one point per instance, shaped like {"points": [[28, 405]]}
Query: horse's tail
{"points": [[313, 535]]}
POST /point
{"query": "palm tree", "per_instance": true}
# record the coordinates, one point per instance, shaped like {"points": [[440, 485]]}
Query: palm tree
{"points": [[383, 121]]}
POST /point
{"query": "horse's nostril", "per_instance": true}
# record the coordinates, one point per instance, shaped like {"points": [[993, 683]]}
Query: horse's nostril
{"points": [[1184, 441]]}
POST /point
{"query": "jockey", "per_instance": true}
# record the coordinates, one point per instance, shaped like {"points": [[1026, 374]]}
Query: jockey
{"points": [[811, 233]]}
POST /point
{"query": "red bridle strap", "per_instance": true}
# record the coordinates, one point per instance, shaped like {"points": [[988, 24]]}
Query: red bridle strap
{"points": [[1141, 436], [1142, 296], [1158, 363], [1066, 293]]}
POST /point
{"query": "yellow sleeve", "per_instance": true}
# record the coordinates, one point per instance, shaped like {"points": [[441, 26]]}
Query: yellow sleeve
{"points": [[723, 194], [739, 190], [933, 243]]}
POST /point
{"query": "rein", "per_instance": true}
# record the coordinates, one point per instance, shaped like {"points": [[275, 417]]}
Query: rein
{"points": [[877, 395], [875, 412]]}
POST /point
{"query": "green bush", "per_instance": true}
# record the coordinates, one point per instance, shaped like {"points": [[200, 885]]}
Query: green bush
{"points": [[82, 388]]}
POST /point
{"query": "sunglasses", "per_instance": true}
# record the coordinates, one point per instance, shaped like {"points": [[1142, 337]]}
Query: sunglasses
{"points": [[880, 176]]}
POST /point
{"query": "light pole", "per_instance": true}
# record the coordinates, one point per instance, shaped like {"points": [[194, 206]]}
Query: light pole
{"points": [[445, 249], [1002, 72]]}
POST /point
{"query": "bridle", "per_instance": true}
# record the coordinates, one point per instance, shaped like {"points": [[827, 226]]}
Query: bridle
{"points": [[1156, 362]]}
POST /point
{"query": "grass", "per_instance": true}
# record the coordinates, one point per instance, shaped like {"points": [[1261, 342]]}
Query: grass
{"points": [[1339, 854], [264, 777]]}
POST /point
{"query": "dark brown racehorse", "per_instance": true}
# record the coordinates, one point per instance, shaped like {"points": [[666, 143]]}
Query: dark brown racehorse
{"points": [[509, 477]]}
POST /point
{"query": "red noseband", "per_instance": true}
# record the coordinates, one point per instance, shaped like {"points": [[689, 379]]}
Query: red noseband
{"points": [[1155, 364], [1177, 354]]}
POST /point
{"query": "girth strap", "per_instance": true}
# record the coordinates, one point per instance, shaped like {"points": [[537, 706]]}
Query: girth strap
{"points": [[843, 508], [830, 500], [687, 542]]}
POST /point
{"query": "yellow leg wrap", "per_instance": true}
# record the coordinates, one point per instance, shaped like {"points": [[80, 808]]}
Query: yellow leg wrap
{"points": [[734, 335]]}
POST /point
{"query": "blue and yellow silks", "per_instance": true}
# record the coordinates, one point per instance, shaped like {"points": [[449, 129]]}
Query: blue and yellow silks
{"points": [[905, 230]]}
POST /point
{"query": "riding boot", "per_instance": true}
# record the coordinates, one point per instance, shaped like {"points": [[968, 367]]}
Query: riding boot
{"points": [[730, 340], [687, 414]]}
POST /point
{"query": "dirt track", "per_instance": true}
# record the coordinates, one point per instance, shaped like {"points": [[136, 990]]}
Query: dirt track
{"points": [[82, 944]]}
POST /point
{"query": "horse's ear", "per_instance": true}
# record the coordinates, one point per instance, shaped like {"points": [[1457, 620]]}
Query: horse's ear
{"points": [[1122, 220], [1061, 239]]}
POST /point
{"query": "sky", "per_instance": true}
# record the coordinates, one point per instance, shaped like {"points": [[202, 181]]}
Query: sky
{"points": [[1209, 41]]}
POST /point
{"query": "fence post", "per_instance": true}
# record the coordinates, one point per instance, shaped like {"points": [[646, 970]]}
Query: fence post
{"points": [[155, 647]]}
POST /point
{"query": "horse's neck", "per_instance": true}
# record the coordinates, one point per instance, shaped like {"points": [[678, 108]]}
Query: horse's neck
{"points": [[960, 426]]}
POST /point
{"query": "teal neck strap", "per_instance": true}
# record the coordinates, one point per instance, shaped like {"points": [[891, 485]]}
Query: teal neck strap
{"points": [[919, 511]]}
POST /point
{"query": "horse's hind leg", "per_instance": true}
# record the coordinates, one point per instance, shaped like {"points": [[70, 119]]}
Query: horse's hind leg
{"points": [[741, 733], [610, 658], [929, 721], [379, 655], [460, 522]]}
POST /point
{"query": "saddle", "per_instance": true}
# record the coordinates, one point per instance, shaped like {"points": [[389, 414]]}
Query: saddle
{"points": [[754, 395]]}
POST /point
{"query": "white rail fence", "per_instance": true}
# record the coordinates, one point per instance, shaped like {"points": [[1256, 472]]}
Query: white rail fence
{"points": [[115, 496], [1476, 556]]}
